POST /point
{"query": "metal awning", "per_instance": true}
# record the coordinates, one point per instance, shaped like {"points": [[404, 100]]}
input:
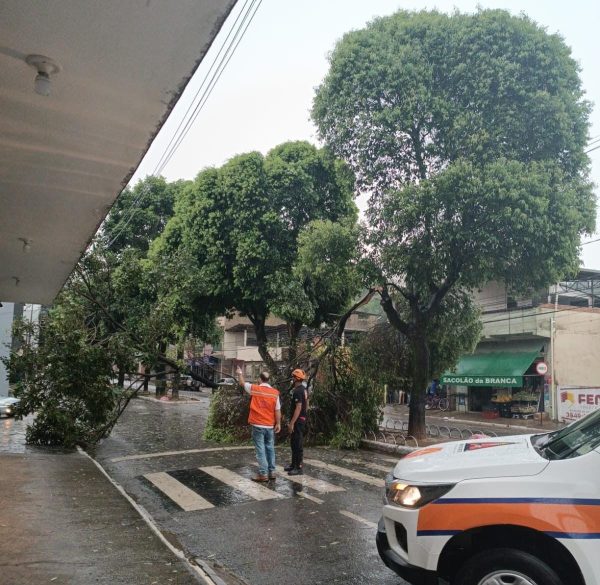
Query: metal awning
{"points": [[494, 368], [64, 157]]}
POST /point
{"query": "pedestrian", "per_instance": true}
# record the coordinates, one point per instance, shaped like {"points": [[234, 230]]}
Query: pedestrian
{"points": [[297, 422], [265, 419]]}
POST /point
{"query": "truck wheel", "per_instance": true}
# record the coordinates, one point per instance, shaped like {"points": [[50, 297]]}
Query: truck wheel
{"points": [[506, 566]]}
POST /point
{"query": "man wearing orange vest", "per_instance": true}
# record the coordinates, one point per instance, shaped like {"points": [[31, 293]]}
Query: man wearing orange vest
{"points": [[265, 418]]}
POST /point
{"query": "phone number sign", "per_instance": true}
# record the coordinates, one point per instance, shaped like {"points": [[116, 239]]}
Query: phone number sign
{"points": [[574, 402]]}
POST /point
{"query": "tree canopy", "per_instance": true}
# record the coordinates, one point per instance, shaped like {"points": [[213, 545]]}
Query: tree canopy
{"points": [[241, 226], [468, 131]]}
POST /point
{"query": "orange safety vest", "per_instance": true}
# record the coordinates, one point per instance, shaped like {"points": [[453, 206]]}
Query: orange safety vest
{"points": [[263, 400]]}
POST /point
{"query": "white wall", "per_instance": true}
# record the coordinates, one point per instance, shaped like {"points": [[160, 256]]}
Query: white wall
{"points": [[6, 319]]}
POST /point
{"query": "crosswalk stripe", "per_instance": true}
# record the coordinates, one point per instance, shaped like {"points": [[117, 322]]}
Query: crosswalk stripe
{"points": [[250, 488], [184, 452], [369, 464], [309, 497], [358, 518], [376, 481], [183, 496], [393, 460], [318, 485]]}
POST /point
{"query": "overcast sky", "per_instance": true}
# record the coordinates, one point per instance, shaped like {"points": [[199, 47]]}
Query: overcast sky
{"points": [[264, 96]]}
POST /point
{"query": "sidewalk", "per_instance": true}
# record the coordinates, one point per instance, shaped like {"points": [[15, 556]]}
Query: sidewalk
{"points": [[63, 522], [475, 420]]}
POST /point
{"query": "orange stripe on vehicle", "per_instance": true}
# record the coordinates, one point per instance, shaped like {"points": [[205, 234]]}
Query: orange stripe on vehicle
{"points": [[425, 451], [577, 519]]}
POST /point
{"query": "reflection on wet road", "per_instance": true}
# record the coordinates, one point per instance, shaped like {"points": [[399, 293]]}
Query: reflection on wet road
{"points": [[314, 529]]}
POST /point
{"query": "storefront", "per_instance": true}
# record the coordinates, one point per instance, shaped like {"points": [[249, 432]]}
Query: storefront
{"points": [[500, 380]]}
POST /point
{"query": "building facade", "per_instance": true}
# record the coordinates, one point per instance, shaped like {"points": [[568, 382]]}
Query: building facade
{"points": [[538, 354], [239, 346]]}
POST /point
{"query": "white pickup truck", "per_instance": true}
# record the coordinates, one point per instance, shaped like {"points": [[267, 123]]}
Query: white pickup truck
{"points": [[518, 510]]}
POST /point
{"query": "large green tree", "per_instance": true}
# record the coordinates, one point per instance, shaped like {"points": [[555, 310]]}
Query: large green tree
{"points": [[140, 214], [242, 226], [468, 131]]}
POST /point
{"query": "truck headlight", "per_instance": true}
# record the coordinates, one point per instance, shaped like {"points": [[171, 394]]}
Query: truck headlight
{"points": [[414, 496]]}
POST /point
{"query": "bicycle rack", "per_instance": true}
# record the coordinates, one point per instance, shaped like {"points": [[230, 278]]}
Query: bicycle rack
{"points": [[404, 426], [432, 428], [457, 431], [397, 422], [446, 433], [415, 440], [468, 433]]}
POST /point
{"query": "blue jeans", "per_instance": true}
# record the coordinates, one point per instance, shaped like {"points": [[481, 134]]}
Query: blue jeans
{"points": [[264, 441]]}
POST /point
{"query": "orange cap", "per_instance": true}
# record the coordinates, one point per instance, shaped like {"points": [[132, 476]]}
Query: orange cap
{"points": [[299, 374]]}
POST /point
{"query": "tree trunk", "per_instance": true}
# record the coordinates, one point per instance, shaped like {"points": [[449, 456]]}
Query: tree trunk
{"points": [[416, 418], [161, 378], [121, 377], [176, 382], [146, 378]]}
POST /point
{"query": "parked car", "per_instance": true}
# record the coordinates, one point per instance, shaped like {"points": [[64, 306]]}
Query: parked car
{"points": [[7, 406], [186, 380], [227, 382], [520, 509]]}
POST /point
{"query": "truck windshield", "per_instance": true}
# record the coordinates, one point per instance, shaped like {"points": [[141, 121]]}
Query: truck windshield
{"points": [[577, 439]]}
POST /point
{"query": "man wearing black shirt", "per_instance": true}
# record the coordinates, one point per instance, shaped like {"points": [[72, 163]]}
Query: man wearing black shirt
{"points": [[297, 422]]}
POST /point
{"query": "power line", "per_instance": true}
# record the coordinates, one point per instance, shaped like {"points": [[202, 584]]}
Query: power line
{"points": [[592, 149], [214, 79], [183, 118], [172, 147]]}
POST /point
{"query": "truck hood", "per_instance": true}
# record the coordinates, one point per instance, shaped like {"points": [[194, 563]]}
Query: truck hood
{"points": [[472, 459]]}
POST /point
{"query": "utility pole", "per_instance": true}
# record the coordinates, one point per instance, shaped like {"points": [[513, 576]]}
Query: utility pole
{"points": [[553, 401]]}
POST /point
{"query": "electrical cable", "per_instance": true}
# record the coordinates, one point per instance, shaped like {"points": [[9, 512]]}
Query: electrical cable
{"points": [[183, 118], [203, 99], [212, 84]]}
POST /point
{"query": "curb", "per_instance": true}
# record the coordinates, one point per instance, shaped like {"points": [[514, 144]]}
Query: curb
{"points": [[476, 424], [385, 448], [156, 401], [194, 565]]}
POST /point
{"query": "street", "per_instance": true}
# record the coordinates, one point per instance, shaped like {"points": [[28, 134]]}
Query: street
{"points": [[315, 529]]}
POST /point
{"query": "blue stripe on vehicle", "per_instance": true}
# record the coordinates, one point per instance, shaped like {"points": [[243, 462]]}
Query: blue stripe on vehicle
{"points": [[570, 535], [582, 535], [438, 532], [560, 501]]}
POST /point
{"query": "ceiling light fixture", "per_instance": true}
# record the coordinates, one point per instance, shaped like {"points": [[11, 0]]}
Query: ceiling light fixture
{"points": [[45, 67]]}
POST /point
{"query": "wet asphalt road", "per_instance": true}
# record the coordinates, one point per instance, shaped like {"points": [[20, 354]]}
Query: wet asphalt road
{"points": [[319, 538]]}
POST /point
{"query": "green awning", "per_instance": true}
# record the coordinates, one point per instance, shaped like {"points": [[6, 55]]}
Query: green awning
{"points": [[494, 368]]}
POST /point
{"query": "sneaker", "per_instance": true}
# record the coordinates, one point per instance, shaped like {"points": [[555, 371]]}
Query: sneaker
{"points": [[296, 471], [272, 475], [288, 467], [260, 478]]}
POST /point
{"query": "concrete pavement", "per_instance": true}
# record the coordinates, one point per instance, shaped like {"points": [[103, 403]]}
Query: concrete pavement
{"points": [[63, 522]]}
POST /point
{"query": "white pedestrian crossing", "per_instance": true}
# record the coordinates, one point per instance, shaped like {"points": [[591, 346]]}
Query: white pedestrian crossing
{"points": [[319, 485], [369, 464], [365, 478], [183, 496], [249, 487], [358, 518]]}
